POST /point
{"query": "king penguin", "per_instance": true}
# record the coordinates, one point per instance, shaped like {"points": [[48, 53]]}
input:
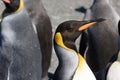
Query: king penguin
{"points": [[20, 54], [102, 39], [72, 66], [113, 71], [40, 18]]}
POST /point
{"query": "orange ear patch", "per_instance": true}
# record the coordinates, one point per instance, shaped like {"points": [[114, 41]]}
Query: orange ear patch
{"points": [[86, 26]]}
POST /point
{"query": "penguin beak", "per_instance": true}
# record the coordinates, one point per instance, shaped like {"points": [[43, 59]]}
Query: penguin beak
{"points": [[6, 1], [90, 23]]}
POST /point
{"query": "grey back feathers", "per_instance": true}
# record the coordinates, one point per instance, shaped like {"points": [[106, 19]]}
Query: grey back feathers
{"points": [[42, 22], [21, 50]]}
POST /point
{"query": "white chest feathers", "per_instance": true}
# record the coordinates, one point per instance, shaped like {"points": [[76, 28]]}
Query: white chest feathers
{"points": [[114, 71], [83, 71]]}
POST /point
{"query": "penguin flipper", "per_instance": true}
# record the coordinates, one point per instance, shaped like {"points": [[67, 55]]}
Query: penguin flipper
{"points": [[83, 43], [101, 75]]}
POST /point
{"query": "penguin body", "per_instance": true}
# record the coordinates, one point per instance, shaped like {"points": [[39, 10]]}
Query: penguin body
{"points": [[69, 71], [113, 72], [102, 39], [20, 50], [72, 65], [43, 25]]}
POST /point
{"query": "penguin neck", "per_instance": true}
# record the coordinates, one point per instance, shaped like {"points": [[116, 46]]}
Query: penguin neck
{"points": [[68, 59], [69, 45], [18, 10]]}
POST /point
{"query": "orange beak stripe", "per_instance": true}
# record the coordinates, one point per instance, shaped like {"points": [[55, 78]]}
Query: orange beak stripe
{"points": [[86, 26]]}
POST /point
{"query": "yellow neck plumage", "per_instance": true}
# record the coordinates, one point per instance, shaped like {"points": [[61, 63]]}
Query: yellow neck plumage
{"points": [[20, 7], [59, 41]]}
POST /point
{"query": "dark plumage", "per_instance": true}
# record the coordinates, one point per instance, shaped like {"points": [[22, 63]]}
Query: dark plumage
{"points": [[113, 70], [102, 39], [12, 6], [42, 22]]}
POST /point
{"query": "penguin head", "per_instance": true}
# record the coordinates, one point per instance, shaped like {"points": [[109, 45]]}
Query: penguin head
{"points": [[67, 32], [12, 5]]}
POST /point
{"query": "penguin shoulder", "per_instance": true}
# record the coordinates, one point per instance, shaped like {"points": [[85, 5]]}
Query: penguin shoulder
{"points": [[7, 32]]}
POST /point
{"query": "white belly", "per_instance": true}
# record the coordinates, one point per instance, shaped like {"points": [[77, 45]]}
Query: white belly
{"points": [[114, 71], [83, 71]]}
